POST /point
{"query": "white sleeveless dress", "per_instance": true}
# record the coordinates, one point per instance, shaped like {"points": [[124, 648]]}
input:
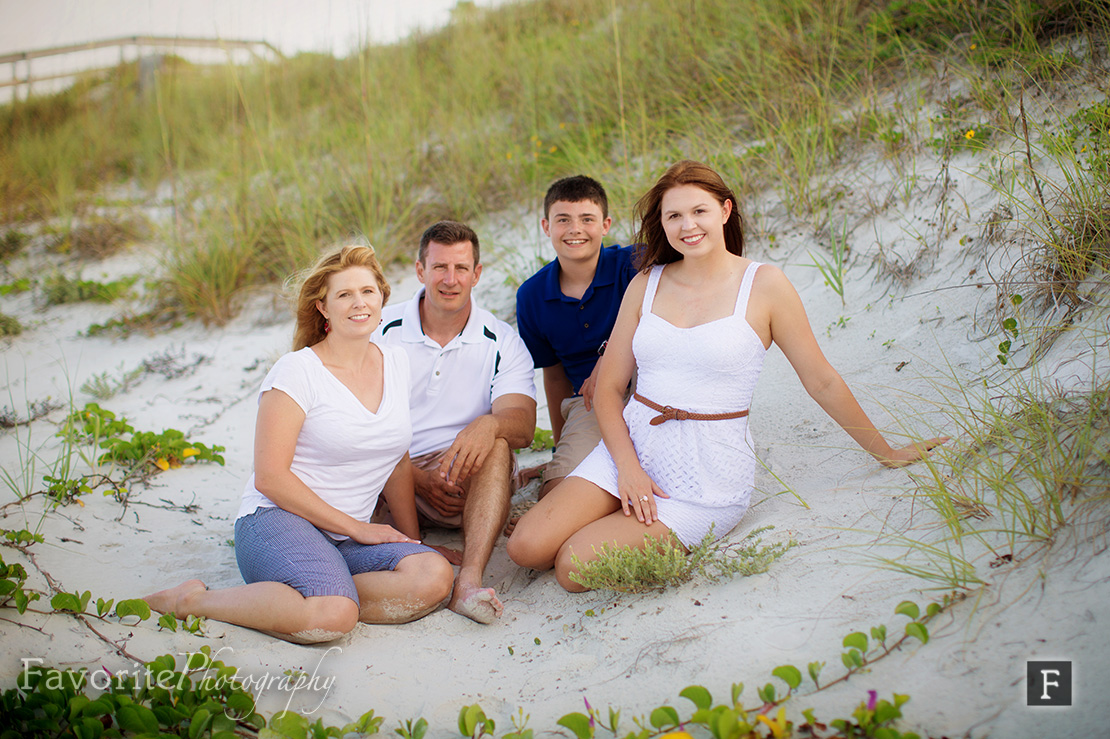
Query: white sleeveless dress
{"points": [[706, 467]]}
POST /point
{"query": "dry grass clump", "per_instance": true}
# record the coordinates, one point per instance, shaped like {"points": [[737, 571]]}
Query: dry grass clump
{"points": [[11, 243], [103, 237], [665, 563], [1083, 247], [10, 325]]}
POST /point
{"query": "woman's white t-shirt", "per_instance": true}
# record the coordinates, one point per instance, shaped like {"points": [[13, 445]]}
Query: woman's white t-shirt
{"points": [[344, 452]]}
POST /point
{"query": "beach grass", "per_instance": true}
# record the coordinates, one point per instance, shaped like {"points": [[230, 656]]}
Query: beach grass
{"points": [[276, 160]]}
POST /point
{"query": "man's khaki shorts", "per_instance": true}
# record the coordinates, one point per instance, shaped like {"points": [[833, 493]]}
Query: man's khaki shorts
{"points": [[428, 515], [580, 435]]}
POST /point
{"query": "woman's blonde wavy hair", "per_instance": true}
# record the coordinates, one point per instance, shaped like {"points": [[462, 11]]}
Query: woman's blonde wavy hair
{"points": [[310, 322]]}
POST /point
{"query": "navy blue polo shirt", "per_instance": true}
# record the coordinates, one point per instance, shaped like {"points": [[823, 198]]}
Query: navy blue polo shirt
{"points": [[561, 330]]}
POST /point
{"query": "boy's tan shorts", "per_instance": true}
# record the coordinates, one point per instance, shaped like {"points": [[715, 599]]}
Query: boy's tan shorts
{"points": [[580, 435]]}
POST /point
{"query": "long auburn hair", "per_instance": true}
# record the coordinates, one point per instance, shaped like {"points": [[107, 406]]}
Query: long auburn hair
{"points": [[310, 322], [654, 248]]}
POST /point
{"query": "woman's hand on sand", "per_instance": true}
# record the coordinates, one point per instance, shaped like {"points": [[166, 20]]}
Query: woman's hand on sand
{"points": [[911, 453], [380, 533], [637, 492]]}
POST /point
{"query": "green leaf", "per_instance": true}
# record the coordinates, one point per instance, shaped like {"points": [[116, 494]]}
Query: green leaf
{"points": [[815, 670], [856, 640], [579, 723], [104, 606], [66, 602], [878, 633], [469, 718], [932, 609], [198, 723], [737, 689], [289, 725], [727, 725], [137, 719], [908, 609], [767, 693], [697, 695], [1016, 299], [133, 607], [664, 716], [168, 621], [918, 631], [789, 674]]}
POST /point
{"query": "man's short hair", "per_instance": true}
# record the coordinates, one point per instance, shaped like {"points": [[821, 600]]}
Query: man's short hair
{"points": [[574, 190], [447, 233]]}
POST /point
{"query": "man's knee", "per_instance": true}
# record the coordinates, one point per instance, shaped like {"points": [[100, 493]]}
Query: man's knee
{"points": [[496, 469]]}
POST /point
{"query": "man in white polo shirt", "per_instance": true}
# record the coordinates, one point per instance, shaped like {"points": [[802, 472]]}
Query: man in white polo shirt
{"points": [[473, 401]]}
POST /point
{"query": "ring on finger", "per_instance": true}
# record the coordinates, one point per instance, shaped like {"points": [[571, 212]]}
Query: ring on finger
{"points": [[644, 499]]}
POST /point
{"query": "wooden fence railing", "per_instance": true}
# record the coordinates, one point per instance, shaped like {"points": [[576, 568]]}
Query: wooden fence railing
{"points": [[255, 48]]}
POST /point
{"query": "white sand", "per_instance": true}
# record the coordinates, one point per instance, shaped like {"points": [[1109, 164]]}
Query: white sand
{"points": [[912, 352]]}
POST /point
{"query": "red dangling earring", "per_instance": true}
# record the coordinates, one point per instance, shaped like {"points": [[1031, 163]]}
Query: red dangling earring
{"points": [[327, 326]]}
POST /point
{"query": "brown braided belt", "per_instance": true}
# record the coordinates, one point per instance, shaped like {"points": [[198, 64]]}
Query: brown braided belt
{"points": [[667, 413]]}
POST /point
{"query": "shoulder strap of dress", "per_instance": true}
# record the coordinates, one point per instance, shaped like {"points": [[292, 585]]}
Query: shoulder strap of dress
{"points": [[652, 286], [746, 289]]}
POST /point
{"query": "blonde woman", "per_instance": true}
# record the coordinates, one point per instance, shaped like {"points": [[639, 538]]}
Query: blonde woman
{"points": [[332, 435]]}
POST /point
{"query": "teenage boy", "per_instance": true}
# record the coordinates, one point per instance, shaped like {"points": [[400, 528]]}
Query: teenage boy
{"points": [[565, 313]]}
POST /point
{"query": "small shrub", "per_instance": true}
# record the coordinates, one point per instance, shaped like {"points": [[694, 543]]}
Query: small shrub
{"points": [[60, 290], [11, 243], [101, 238], [20, 285], [10, 325], [662, 564]]}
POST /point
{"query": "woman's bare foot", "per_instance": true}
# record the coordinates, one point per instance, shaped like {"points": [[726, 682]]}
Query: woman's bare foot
{"points": [[479, 604], [174, 600]]}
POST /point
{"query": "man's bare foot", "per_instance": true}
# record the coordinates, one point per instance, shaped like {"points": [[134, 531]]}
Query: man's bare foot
{"points": [[172, 600], [479, 604]]}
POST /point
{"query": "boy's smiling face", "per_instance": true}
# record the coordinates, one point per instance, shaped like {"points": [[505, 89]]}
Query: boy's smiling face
{"points": [[576, 229]]}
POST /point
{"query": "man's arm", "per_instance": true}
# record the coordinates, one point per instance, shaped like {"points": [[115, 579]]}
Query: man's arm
{"points": [[513, 419], [557, 388]]}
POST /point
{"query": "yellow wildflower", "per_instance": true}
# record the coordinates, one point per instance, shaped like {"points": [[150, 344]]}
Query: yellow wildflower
{"points": [[508, 155], [562, 126], [970, 134], [552, 150], [677, 735], [80, 502], [162, 464], [777, 725], [972, 48], [189, 453]]}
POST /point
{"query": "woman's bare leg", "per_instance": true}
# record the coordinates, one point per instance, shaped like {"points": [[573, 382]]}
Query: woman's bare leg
{"points": [[413, 590], [614, 530], [543, 530], [270, 607]]}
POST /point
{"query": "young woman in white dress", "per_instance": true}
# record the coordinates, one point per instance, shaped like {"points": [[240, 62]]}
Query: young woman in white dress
{"points": [[693, 327]]}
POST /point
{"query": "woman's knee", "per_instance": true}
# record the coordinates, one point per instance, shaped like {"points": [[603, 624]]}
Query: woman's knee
{"points": [[430, 578], [565, 566], [527, 548], [329, 617]]}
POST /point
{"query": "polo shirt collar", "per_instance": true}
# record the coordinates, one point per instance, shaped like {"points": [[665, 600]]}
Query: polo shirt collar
{"points": [[602, 278], [413, 332]]}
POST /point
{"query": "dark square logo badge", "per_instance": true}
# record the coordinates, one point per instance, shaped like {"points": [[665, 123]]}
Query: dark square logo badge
{"points": [[1048, 683]]}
